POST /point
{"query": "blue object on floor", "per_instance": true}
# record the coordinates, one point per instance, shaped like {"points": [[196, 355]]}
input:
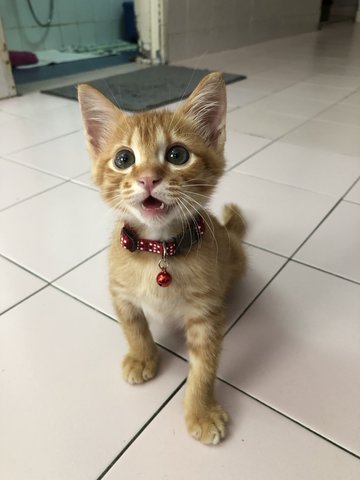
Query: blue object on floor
{"points": [[131, 34]]}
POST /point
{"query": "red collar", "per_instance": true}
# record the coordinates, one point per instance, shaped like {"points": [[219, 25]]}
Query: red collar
{"points": [[129, 240]]}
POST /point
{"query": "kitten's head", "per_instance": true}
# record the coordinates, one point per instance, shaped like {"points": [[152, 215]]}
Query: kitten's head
{"points": [[157, 167]]}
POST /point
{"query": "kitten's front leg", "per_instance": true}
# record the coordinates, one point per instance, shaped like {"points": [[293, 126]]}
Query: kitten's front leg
{"points": [[204, 417], [141, 362]]}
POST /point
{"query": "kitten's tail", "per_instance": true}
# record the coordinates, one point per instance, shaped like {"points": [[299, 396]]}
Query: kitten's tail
{"points": [[233, 219]]}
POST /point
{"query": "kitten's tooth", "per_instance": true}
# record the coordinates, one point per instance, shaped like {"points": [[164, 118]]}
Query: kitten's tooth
{"points": [[162, 206]]}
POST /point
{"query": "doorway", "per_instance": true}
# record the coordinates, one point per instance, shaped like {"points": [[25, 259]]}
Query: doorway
{"points": [[339, 10]]}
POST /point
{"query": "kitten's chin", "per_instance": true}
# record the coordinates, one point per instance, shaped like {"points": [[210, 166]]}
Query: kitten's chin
{"points": [[151, 214]]}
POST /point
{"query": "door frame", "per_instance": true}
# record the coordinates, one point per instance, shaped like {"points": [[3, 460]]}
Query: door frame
{"points": [[7, 84]]}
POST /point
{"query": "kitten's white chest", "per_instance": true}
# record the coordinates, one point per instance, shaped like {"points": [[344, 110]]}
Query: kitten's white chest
{"points": [[159, 304], [167, 312]]}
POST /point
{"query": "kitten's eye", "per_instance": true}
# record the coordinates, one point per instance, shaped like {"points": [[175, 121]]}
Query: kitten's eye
{"points": [[177, 155], [124, 159]]}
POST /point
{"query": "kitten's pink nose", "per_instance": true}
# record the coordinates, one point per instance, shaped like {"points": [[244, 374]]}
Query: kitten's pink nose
{"points": [[149, 182]]}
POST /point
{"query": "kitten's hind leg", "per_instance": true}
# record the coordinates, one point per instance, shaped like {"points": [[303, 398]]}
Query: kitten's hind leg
{"points": [[141, 362], [204, 417]]}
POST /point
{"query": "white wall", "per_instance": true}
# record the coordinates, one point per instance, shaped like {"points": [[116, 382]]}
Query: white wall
{"points": [[198, 26]]}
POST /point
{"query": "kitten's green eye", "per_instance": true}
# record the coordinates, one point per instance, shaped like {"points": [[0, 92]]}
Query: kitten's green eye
{"points": [[177, 155], [124, 159]]}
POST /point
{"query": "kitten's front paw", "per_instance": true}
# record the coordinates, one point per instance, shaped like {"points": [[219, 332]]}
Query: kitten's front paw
{"points": [[138, 370], [209, 425]]}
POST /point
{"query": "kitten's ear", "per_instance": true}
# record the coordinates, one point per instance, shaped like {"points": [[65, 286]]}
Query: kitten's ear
{"points": [[99, 115], [206, 108]]}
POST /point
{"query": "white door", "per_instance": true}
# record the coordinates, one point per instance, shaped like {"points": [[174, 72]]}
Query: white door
{"points": [[151, 24]]}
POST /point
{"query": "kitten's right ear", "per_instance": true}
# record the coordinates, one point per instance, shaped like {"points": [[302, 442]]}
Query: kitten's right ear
{"points": [[99, 116]]}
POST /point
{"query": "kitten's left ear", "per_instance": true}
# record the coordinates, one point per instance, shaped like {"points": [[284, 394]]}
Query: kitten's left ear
{"points": [[99, 115], [206, 108]]}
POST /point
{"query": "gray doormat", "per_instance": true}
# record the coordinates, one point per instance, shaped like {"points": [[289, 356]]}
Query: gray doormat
{"points": [[148, 88]]}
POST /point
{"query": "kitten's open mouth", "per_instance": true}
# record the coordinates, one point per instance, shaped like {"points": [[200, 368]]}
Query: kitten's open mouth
{"points": [[153, 206]]}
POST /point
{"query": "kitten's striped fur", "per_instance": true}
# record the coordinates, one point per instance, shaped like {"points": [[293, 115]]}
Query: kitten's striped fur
{"points": [[202, 275]]}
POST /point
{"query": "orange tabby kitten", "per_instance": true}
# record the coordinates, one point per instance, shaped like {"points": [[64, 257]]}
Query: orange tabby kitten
{"points": [[157, 170]]}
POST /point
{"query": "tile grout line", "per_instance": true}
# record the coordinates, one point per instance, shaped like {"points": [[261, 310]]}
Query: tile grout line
{"points": [[23, 268], [35, 168], [83, 302], [24, 299], [264, 249], [32, 167], [288, 185], [341, 199], [291, 257], [146, 424], [79, 264], [12, 152], [51, 284], [352, 202], [332, 274], [272, 141], [293, 420], [62, 183], [35, 195], [256, 297]]}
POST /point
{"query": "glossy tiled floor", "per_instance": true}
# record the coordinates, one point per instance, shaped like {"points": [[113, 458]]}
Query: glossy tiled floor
{"points": [[290, 370]]}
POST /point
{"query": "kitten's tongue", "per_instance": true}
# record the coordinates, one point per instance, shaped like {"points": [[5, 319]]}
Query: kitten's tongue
{"points": [[151, 203]]}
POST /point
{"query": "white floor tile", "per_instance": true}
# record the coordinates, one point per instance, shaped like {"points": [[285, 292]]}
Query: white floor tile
{"points": [[334, 247], [5, 117], [254, 65], [291, 72], [96, 293], [21, 133], [354, 194], [32, 104], [344, 81], [335, 137], [279, 217], [65, 411], [239, 146], [267, 84], [52, 232], [65, 156], [324, 93], [15, 284], [18, 182], [263, 123], [342, 113], [85, 179], [353, 99], [289, 105], [238, 95], [297, 349], [261, 444], [315, 170], [64, 119]]}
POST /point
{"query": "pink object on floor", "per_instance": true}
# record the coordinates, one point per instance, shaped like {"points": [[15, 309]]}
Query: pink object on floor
{"points": [[22, 58]]}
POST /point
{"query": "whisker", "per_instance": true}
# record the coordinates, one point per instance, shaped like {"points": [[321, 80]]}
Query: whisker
{"points": [[196, 193], [195, 223], [179, 207], [209, 222]]}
